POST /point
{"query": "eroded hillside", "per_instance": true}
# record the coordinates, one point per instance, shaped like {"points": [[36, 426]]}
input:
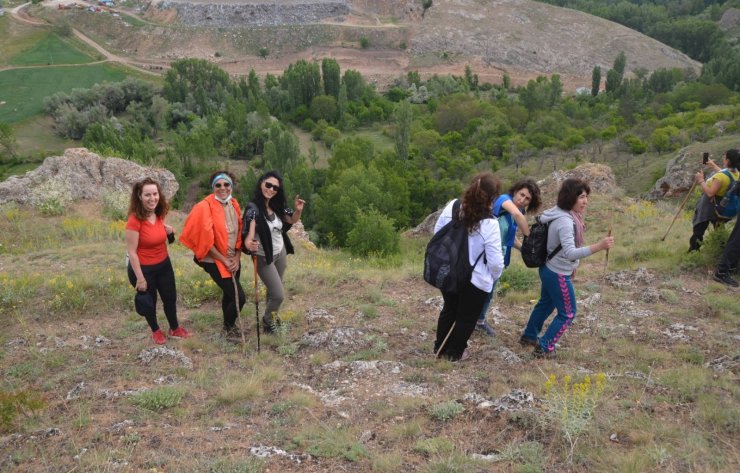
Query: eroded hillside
{"points": [[521, 38]]}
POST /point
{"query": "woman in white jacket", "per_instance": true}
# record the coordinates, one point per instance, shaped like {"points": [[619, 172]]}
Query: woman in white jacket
{"points": [[463, 307]]}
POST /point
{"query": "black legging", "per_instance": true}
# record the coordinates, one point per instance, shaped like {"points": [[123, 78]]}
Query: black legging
{"points": [[160, 278], [462, 309], [731, 254], [227, 286]]}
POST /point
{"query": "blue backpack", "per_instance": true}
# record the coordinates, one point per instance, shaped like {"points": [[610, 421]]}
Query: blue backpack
{"points": [[727, 207]]}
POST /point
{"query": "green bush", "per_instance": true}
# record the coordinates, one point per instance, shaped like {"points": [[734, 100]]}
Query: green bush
{"points": [[373, 234], [446, 410], [158, 399], [13, 404], [517, 278]]}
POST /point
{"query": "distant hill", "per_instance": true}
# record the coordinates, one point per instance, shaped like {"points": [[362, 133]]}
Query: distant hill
{"points": [[521, 38]]}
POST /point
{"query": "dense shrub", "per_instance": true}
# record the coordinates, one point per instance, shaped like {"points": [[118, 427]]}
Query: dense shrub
{"points": [[373, 234]]}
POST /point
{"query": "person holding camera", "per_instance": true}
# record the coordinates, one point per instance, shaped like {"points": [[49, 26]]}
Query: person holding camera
{"points": [[213, 232], [149, 267], [713, 189]]}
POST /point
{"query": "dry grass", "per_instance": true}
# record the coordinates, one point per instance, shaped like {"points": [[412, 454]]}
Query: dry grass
{"points": [[375, 400]]}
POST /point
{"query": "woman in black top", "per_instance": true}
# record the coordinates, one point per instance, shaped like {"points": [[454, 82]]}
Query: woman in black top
{"points": [[265, 233]]}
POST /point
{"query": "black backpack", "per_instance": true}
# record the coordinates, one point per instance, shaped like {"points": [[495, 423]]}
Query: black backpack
{"points": [[446, 262], [534, 246]]}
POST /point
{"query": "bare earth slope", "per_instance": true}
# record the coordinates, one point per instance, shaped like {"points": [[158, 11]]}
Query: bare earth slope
{"points": [[521, 38]]}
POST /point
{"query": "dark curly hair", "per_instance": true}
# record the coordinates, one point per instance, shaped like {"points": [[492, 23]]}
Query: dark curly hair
{"points": [[534, 191], [569, 192], [477, 199], [277, 203], [136, 206]]}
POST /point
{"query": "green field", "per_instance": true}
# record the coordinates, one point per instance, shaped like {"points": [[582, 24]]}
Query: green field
{"points": [[23, 90], [17, 37], [51, 50]]}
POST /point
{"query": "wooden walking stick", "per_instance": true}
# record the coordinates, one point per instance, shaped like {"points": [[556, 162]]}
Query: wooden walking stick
{"points": [[691, 191], [606, 260], [441, 347], [238, 313], [256, 301]]}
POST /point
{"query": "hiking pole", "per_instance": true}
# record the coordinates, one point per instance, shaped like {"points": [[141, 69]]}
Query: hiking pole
{"points": [[691, 191], [256, 301], [606, 260], [441, 347], [238, 313]]}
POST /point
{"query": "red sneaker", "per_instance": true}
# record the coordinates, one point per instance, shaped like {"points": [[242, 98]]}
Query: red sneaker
{"points": [[158, 337], [179, 332]]}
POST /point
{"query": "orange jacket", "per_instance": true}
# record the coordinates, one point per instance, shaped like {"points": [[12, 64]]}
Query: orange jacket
{"points": [[205, 228]]}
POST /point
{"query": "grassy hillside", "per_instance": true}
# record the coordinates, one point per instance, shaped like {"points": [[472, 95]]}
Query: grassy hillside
{"points": [[23, 90], [350, 383], [51, 50]]}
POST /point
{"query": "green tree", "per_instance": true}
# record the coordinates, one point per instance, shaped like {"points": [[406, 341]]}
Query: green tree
{"points": [[556, 90], [331, 74], [324, 107], [342, 102], [355, 84], [302, 80], [536, 95], [404, 117], [197, 82], [595, 81], [616, 73], [373, 234], [281, 150], [455, 111], [8, 144]]}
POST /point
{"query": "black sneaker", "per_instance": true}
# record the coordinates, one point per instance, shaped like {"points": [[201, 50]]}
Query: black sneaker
{"points": [[540, 353], [725, 278], [524, 341]]}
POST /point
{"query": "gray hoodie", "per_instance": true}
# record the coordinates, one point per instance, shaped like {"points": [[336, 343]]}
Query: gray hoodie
{"points": [[562, 232]]}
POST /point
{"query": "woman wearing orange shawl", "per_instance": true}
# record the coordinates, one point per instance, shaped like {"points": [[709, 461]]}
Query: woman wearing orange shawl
{"points": [[213, 231]]}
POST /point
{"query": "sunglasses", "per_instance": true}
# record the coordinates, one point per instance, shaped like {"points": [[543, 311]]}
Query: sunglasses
{"points": [[270, 185], [222, 184]]}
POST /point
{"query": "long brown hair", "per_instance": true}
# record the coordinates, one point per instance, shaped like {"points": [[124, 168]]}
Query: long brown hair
{"points": [[477, 199], [136, 206]]}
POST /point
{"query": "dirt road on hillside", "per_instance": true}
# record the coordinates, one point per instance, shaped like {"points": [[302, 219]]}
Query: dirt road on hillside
{"points": [[18, 13]]}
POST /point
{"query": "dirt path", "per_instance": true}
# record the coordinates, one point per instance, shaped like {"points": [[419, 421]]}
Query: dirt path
{"points": [[23, 17], [19, 14]]}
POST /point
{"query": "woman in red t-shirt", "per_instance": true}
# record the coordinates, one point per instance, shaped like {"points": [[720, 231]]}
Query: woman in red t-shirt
{"points": [[149, 269]]}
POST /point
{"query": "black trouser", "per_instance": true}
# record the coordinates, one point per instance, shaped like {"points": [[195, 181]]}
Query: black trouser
{"points": [[462, 309], [160, 278], [697, 237], [731, 255], [228, 305]]}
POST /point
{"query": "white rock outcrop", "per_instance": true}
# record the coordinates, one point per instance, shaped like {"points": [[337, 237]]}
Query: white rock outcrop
{"points": [[82, 175]]}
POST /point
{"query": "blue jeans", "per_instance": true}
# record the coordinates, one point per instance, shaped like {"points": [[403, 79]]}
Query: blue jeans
{"points": [[556, 294], [487, 303]]}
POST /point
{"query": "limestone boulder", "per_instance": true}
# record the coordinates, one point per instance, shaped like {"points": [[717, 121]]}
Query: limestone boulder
{"points": [[81, 175], [678, 177]]}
